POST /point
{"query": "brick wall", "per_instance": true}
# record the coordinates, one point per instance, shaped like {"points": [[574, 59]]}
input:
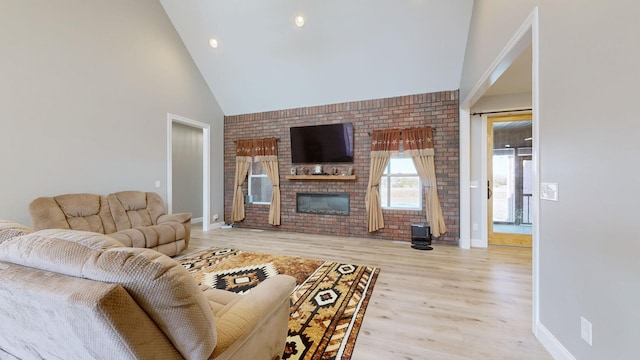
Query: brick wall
{"points": [[439, 110]]}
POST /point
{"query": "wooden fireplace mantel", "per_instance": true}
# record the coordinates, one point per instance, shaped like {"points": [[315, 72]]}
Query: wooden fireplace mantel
{"points": [[321, 177]]}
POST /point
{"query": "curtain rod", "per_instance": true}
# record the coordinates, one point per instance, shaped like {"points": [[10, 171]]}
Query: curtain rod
{"points": [[277, 139], [432, 130], [499, 112]]}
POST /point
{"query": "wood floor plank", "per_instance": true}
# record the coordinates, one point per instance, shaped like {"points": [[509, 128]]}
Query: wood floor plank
{"points": [[448, 303]]}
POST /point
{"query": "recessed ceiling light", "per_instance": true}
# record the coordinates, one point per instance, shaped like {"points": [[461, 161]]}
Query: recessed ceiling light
{"points": [[299, 21], [213, 43]]}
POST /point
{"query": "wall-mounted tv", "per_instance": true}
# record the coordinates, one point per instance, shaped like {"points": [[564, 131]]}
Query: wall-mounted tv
{"points": [[331, 143]]}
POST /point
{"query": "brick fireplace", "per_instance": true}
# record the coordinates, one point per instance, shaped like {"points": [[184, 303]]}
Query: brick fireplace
{"points": [[439, 110]]}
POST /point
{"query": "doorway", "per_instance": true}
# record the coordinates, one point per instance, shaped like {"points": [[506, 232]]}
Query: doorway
{"points": [[186, 174], [206, 172], [510, 180], [526, 36]]}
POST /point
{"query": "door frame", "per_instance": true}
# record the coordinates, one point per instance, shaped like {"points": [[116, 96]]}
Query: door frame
{"points": [[206, 165], [499, 238], [526, 35]]}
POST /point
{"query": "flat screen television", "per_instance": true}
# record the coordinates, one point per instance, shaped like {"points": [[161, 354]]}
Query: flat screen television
{"points": [[332, 143]]}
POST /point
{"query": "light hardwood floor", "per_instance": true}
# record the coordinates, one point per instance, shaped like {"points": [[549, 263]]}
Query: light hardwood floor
{"points": [[447, 303]]}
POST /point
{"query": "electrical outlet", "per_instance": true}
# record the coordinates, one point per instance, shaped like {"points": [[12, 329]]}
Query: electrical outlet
{"points": [[585, 330], [215, 217], [157, 184]]}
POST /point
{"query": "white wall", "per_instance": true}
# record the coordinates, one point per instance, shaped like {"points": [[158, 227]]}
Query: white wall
{"points": [[85, 91], [519, 101], [588, 240]]}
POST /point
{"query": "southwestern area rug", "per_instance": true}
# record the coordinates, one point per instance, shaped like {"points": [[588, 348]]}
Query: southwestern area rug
{"points": [[328, 303]]}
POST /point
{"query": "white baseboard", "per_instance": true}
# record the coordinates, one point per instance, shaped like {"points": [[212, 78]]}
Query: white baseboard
{"points": [[478, 243], [216, 225], [196, 220], [553, 346]]}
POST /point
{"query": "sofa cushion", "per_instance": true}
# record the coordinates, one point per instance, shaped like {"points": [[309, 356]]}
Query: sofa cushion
{"points": [[46, 315], [10, 229], [87, 212], [151, 236], [88, 239], [160, 285], [131, 209]]}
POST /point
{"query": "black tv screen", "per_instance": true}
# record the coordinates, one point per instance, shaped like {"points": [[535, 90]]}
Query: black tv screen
{"points": [[331, 143]]}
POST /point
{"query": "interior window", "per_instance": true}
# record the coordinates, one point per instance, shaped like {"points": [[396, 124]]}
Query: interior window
{"points": [[260, 186], [400, 186]]}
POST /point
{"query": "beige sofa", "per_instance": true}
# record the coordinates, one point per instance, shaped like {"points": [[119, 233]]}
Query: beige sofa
{"points": [[135, 218], [69, 294]]}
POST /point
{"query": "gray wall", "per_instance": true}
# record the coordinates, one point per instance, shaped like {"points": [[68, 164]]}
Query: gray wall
{"points": [[85, 91], [589, 239], [187, 169]]}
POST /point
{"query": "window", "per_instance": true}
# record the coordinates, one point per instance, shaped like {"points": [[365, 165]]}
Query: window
{"points": [[400, 186], [260, 186], [504, 185]]}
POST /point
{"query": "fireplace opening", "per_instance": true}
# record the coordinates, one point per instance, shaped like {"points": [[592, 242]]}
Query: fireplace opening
{"points": [[323, 203]]}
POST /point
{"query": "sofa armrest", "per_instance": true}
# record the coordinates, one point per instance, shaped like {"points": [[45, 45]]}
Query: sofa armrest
{"points": [[180, 217], [46, 214], [239, 319]]}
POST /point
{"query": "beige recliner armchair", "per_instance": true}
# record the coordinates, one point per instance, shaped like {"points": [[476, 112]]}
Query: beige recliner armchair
{"points": [[81, 295], [135, 218]]}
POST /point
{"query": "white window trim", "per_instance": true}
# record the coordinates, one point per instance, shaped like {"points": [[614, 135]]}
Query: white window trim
{"points": [[389, 177], [251, 175]]}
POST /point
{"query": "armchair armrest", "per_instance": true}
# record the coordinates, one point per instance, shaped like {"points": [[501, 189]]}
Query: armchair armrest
{"points": [[241, 317], [180, 217]]}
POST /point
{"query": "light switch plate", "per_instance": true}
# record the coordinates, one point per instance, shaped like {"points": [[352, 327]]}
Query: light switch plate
{"points": [[549, 191], [586, 331]]}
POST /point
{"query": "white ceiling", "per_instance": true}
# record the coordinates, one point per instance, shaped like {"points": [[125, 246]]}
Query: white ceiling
{"points": [[347, 51]]}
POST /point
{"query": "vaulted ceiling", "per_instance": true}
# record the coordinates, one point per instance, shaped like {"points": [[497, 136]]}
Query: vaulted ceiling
{"points": [[346, 51]]}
